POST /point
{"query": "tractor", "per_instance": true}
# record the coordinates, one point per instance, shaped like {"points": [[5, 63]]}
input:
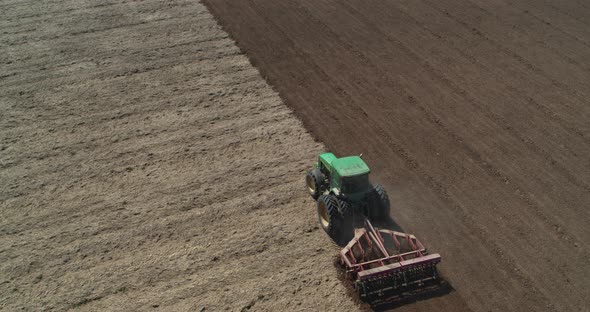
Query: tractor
{"points": [[384, 265], [342, 189]]}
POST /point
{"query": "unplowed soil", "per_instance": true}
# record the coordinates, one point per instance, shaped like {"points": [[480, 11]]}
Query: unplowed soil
{"points": [[473, 113], [146, 165]]}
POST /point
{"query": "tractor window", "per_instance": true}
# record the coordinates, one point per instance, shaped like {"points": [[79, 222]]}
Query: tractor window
{"points": [[355, 184]]}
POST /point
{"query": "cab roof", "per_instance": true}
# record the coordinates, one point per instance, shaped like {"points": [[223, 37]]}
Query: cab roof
{"points": [[350, 166], [346, 166]]}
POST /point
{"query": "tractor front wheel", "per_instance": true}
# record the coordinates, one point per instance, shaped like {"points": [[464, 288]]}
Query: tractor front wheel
{"points": [[314, 181], [335, 222]]}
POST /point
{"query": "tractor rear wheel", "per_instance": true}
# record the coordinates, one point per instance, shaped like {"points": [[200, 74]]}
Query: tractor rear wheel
{"points": [[347, 222], [335, 222], [314, 181], [380, 205]]}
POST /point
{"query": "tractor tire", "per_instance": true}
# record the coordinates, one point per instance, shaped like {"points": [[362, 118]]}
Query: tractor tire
{"points": [[337, 225], [314, 181], [345, 208], [380, 206], [347, 232]]}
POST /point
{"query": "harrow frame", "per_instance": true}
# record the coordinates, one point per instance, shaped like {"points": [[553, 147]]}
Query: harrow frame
{"points": [[385, 262]]}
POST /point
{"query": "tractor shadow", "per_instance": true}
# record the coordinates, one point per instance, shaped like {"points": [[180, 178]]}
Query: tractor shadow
{"points": [[387, 302], [358, 222], [385, 223]]}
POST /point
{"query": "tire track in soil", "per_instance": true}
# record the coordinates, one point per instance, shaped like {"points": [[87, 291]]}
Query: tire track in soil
{"points": [[544, 64]]}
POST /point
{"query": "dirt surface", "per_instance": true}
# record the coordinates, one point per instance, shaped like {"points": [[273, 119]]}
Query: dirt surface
{"points": [[473, 114], [146, 165]]}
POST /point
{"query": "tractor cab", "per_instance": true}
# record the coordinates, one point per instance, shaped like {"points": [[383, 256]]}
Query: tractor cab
{"points": [[342, 188], [349, 177], [380, 261]]}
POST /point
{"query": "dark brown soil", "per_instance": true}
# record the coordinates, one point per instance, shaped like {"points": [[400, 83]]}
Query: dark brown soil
{"points": [[472, 113]]}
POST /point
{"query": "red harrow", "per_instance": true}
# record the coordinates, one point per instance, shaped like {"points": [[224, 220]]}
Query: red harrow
{"points": [[387, 264]]}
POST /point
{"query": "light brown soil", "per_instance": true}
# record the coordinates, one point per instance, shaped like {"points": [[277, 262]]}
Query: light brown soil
{"points": [[146, 165], [473, 114]]}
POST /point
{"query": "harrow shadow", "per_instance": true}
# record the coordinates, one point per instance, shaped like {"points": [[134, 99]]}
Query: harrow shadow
{"points": [[385, 223]]}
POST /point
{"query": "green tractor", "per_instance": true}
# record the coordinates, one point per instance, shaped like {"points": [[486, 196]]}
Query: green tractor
{"points": [[342, 189]]}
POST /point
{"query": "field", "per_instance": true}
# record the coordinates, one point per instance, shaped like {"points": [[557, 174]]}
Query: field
{"points": [[146, 164], [472, 113]]}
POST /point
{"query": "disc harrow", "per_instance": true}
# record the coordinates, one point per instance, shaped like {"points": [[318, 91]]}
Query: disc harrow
{"points": [[386, 263]]}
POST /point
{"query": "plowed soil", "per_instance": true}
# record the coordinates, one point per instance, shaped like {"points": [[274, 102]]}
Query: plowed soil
{"points": [[473, 113]]}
